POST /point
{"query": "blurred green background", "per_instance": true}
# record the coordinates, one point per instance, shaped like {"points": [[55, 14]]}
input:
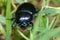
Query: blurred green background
{"points": [[46, 24]]}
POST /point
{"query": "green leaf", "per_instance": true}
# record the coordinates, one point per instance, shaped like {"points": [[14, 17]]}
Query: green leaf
{"points": [[2, 19], [51, 11]]}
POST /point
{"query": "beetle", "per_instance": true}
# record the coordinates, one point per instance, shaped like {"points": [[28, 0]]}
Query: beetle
{"points": [[24, 15]]}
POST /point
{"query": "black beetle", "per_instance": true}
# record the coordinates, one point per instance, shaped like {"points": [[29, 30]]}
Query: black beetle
{"points": [[24, 15]]}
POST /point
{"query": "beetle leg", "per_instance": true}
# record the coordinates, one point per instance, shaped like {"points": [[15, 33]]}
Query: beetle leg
{"points": [[32, 25], [36, 13], [13, 25]]}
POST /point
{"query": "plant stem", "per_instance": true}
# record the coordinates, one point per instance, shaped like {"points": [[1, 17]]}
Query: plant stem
{"points": [[8, 22]]}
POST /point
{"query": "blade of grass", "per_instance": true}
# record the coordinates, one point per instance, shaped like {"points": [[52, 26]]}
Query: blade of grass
{"points": [[36, 26], [35, 29], [17, 36], [56, 21], [45, 3], [47, 22], [2, 19], [50, 33], [51, 11], [38, 23], [2, 29], [22, 35], [52, 23], [8, 22]]}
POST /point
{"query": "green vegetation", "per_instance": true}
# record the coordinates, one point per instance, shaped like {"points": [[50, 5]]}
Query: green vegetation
{"points": [[44, 29]]}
